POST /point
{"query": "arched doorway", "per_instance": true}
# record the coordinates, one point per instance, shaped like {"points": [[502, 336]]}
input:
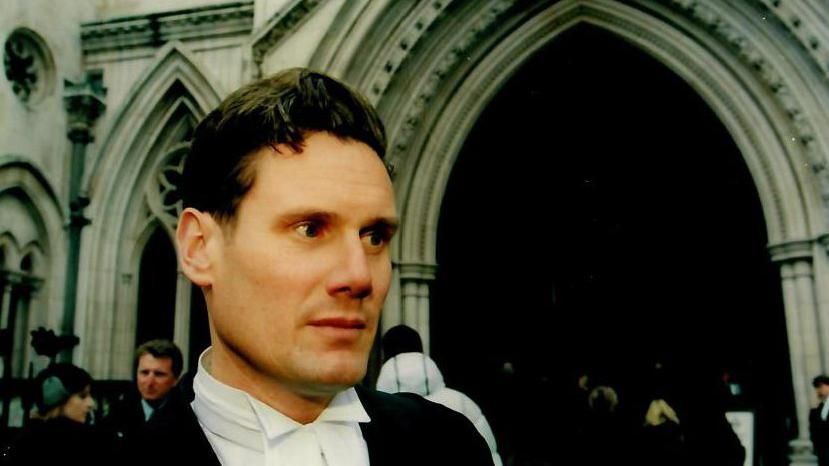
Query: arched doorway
{"points": [[156, 289], [656, 250], [133, 189]]}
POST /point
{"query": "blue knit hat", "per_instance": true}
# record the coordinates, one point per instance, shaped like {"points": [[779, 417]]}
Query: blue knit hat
{"points": [[57, 383]]}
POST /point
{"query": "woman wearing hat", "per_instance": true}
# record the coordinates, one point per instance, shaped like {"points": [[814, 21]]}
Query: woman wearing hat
{"points": [[58, 432]]}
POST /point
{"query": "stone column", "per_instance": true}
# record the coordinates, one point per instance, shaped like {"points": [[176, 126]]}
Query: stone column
{"points": [[5, 303], [795, 262], [414, 285], [821, 273], [84, 102], [7, 318], [181, 325]]}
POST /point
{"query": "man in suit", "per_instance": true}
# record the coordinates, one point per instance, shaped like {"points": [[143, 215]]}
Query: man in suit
{"points": [[288, 214], [158, 366], [819, 420]]}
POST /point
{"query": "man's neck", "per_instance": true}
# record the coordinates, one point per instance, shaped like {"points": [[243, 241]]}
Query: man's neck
{"points": [[300, 406]]}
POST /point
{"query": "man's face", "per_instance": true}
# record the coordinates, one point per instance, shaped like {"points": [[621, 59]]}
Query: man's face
{"points": [[300, 276], [822, 391], [155, 377]]}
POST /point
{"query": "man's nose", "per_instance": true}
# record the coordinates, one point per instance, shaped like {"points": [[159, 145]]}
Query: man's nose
{"points": [[352, 274]]}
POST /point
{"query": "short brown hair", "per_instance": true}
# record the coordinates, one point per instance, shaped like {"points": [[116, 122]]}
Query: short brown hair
{"points": [[161, 349], [281, 109]]}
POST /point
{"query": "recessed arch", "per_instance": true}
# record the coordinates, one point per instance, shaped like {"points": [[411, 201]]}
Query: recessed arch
{"points": [[790, 196], [25, 185], [431, 78], [31, 237], [156, 118]]}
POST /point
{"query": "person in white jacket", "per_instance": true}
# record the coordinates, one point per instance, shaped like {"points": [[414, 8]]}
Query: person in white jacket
{"points": [[408, 369]]}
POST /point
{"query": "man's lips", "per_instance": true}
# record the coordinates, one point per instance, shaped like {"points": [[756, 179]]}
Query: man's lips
{"points": [[339, 322]]}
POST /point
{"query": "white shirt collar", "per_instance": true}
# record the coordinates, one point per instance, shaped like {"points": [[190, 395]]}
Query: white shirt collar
{"points": [[238, 417]]}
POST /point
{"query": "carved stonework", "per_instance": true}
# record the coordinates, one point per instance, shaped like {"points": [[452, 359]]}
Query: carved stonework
{"points": [[460, 48], [792, 251], [164, 193], [412, 31], [229, 19], [804, 132], [84, 103], [417, 272], [806, 25], [278, 27], [28, 66]]}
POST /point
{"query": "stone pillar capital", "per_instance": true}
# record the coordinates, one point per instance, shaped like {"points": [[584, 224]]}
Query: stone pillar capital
{"points": [[791, 251], [824, 241], [416, 272], [84, 103]]}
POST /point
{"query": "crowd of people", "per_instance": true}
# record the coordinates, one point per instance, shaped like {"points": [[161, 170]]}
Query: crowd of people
{"points": [[657, 427], [62, 430]]}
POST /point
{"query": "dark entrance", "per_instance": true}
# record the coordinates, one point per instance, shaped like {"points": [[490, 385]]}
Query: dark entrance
{"points": [[600, 216], [156, 289]]}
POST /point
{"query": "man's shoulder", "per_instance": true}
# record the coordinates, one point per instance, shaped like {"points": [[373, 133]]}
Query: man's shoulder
{"points": [[179, 434], [403, 423], [406, 407]]}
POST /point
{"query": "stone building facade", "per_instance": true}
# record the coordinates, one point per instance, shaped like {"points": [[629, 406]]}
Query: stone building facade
{"points": [[99, 97]]}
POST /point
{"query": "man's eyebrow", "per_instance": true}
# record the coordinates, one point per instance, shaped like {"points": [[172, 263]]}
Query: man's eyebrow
{"points": [[391, 224], [310, 214]]}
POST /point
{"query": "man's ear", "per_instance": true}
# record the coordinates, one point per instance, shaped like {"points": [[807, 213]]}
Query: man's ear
{"points": [[195, 232]]}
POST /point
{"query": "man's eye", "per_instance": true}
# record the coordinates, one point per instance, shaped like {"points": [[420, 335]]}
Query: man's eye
{"points": [[377, 237], [309, 229]]}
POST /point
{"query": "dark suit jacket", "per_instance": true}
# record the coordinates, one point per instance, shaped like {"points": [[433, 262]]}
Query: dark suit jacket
{"points": [[819, 433], [405, 430], [126, 425]]}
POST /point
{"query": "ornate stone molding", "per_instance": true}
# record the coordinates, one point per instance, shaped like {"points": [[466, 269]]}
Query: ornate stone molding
{"points": [[84, 103], [791, 251], [709, 18], [409, 33], [805, 21], [278, 27], [153, 30], [419, 272], [483, 21], [28, 66], [163, 194]]}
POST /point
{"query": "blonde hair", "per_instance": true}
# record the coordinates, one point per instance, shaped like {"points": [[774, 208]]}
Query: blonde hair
{"points": [[659, 412], [603, 398]]}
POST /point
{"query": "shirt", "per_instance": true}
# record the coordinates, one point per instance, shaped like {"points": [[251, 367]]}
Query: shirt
{"points": [[244, 431], [148, 410]]}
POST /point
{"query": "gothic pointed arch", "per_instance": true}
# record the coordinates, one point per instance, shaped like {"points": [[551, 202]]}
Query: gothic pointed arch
{"points": [[433, 67], [133, 185], [34, 254], [423, 60]]}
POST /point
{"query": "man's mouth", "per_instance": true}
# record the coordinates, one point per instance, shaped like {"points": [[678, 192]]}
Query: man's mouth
{"points": [[339, 323]]}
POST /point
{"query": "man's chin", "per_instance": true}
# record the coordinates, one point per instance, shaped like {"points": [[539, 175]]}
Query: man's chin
{"points": [[337, 377]]}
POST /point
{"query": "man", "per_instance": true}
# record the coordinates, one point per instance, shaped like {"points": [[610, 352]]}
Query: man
{"points": [[408, 369], [288, 214], [819, 421], [158, 367]]}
